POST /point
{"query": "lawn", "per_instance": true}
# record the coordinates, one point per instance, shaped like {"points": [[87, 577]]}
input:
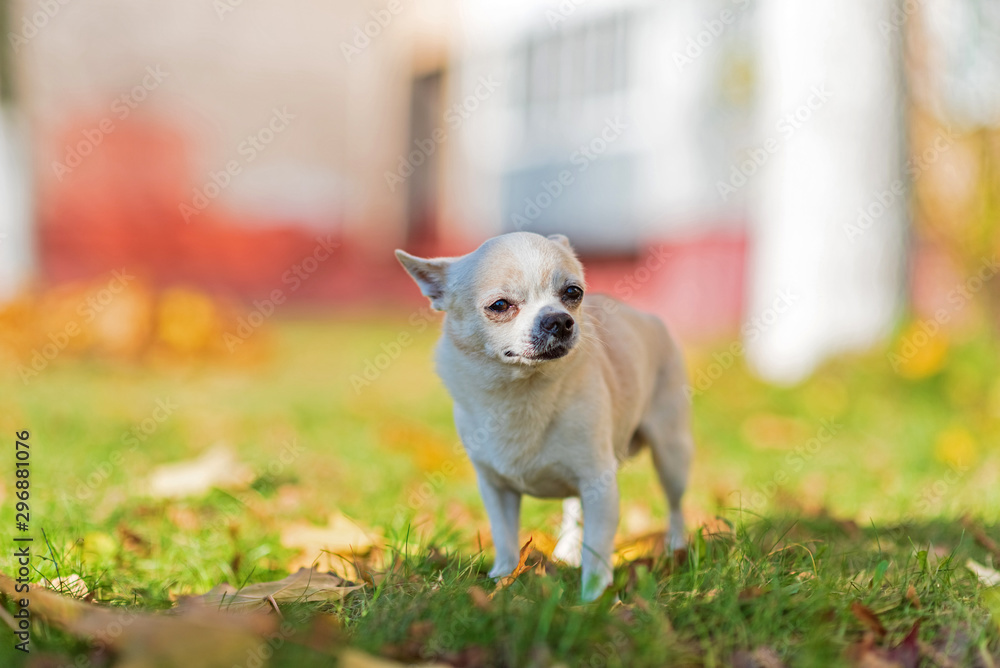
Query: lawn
{"points": [[828, 520]]}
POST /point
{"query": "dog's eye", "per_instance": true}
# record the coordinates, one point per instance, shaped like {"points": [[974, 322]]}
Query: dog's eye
{"points": [[573, 293], [499, 306]]}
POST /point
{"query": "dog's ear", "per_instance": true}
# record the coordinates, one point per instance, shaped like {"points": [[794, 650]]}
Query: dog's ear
{"points": [[560, 239], [430, 274]]}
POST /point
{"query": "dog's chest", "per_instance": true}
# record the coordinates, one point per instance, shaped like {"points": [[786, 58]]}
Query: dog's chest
{"points": [[520, 454]]}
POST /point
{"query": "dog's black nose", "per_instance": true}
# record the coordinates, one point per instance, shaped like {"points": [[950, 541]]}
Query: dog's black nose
{"points": [[559, 323]]}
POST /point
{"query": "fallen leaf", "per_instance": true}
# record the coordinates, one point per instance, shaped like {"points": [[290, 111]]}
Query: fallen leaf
{"points": [[762, 657], [518, 570], [867, 617], [196, 637], [352, 658], [183, 518], [436, 559], [336, 546], [132, 541], [911, 596], [479, 598], [187, 321], [957, 447], [648, 545], [936, 657], [217, 467], [72, 585], [986, 575], [929, 358], [981, 537], [325, 633], [907, 652], [302, 586]]}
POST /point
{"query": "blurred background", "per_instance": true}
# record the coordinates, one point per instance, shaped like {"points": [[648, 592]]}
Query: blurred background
{"points": [[205, 196]]}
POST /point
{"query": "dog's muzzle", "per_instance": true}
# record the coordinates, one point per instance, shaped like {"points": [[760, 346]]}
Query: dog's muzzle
{"points": [[554, 334]]}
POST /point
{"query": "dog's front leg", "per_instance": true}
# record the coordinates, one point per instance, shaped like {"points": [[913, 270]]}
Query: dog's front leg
{"points": [[503, 506], [600, 521]]}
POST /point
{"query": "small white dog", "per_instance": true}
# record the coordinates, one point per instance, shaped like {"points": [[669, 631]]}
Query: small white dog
{"points": [[553, 390]]}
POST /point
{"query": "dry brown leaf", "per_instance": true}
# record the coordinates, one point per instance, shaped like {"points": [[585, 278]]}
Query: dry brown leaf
{"points": [[648, 545], [906, 654], [935, 656], [762, 657], [987, 576], [144, 640], [867, 617], [336, 547], [982, 537], [479, 598], [217, 467], [72, 585], [911, 596], [518, 570], [352, 658], [302, 586], [133, 542]]}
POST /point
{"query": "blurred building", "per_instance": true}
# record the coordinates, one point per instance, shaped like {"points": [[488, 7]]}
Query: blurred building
{"points": [[689, 148]]}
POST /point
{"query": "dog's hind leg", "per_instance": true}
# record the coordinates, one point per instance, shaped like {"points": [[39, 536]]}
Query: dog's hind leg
{"points": [[570, 544], [666, 427]]}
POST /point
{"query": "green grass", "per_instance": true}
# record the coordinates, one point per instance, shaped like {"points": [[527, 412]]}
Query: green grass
{"points": [[812, 518]]}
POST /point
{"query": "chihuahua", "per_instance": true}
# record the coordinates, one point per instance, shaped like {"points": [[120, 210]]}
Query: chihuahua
{"points": [[553, 389]]}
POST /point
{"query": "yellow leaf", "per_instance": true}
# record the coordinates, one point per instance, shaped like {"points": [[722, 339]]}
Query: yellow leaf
{"points": [[956, 447], [335, 546], [187, 321], [919, 354]]}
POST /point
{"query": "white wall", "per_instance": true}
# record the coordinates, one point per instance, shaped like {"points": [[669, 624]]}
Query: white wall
{"points": [[16, 248], [828, 62]]}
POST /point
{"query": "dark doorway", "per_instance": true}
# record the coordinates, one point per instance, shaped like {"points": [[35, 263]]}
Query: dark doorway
{"points": [[426, 125]]}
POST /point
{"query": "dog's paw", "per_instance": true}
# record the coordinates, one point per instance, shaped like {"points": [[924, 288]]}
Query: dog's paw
{"points": [[676, 541], [594, 586], [500, 571]]}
